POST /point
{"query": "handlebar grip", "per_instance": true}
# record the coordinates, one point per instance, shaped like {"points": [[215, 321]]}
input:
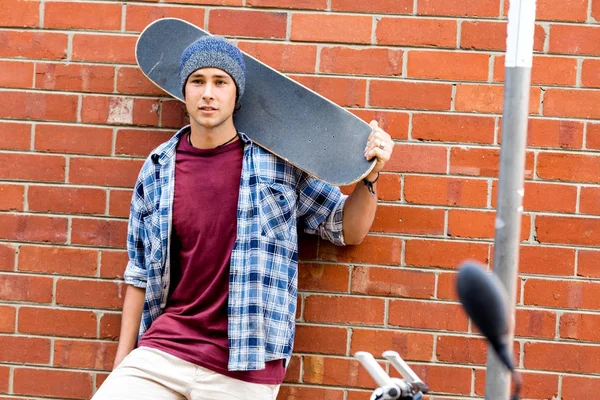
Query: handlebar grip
{"points": [[374, 369]]}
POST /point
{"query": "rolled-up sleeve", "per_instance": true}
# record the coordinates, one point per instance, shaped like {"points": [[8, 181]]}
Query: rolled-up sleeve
{"points": [[135, 272], [320, 208]]}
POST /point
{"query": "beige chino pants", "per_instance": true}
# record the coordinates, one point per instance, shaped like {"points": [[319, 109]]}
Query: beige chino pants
{"points": [[153, 374]]}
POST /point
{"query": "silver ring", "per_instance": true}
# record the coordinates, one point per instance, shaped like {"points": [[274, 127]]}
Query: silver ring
{"points": [[382, 145]]}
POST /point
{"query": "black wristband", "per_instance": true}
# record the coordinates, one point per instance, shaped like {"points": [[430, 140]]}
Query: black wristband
{"points": [[369, 184]]}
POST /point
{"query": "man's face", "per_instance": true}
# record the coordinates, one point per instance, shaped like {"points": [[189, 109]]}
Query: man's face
{"points": [[210, 95]]}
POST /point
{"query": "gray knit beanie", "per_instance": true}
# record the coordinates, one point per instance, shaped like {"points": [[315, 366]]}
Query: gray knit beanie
{"points": [[213, 52]]}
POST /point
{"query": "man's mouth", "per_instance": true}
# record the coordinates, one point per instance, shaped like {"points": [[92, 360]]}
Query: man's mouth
{"points": [[207, 108]]}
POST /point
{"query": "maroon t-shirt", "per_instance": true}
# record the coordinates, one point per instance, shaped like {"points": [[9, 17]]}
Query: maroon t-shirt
{"points": [[193, 325]]}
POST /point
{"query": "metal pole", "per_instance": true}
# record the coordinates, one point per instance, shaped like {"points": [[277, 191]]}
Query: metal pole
{"points": [[519, 54]]}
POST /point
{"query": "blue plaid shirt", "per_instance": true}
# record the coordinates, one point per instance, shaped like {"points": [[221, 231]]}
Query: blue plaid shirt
{"points": [[274, 196]]}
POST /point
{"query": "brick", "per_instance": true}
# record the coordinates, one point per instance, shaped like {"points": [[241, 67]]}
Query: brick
{"points": [[373, 250], [39, 106], [445, 379], [417, 346], [416, 32], [27, 167], [596, 10], [110, 326], [459, 9], [20, 13], [588, 264], [574, 39], [443, 254], [101, 171], [293, 370], [17, 135], [15, 349], [104, 48], [84, 354], [342, 309], [130, 80], [54, 322], [479, 224], [568, 230], [593, 136], [99, 232], [11, 197], [580, 327], [173, 114], [395, 123], [323, 277], [482, 162], [535, 323], [345, 92], [545, 197], [408, 220], [572, 103], [445, 191], [75, 77], [589, 73], [578, 387], [464, 350], [33, 45], [389, 187], [374, 6], [302, 4], [489, 98], [60, 199], [119, 110], [539, 386], [70, 15], [556, 10], [270, 25], [119, 202], [34, 228], [367, 61], [551, 357], [447, 286], [562, 294], [427, 315], [86, 293], [542, 260], [73, 139], [488, 35], [7, 257], [392, 282], [16, 74], [331, 28], [58, 260], [112, 263], [283, 57], [453, 128], [139, 16], [145, 112], [335, 371], [7, 319], [569, 167], [138, 142], [546, 70], [423, 96], [320, 339], [52, 383], [589, 202], [307, 392], [34, 289], [553, 133], [448, 65], [207, 2]]}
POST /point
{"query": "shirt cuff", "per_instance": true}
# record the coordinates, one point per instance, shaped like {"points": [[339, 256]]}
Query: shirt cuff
{"points": [[332, 229], [135, 275]]}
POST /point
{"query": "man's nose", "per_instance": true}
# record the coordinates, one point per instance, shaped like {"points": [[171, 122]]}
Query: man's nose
{"points": [[208, 91]]}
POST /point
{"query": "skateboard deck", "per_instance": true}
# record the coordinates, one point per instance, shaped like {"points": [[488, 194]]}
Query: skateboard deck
{"points": [[277, 113]]}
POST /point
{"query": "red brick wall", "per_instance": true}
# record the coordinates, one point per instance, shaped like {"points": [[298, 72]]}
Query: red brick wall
{"points": [[77, 118]]}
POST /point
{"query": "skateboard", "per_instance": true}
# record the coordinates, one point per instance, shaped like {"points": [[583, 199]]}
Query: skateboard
{"points": [[277, 113]]}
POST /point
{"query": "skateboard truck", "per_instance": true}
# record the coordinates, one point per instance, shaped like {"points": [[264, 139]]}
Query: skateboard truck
{"points": [[409, 388]]}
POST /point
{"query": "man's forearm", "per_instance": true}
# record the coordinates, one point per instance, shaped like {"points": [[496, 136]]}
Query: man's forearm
{"points": [[130, 322], [359, 212]]}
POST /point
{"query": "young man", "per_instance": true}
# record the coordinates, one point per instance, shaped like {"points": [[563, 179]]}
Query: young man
{"points": [[213, 248]]}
